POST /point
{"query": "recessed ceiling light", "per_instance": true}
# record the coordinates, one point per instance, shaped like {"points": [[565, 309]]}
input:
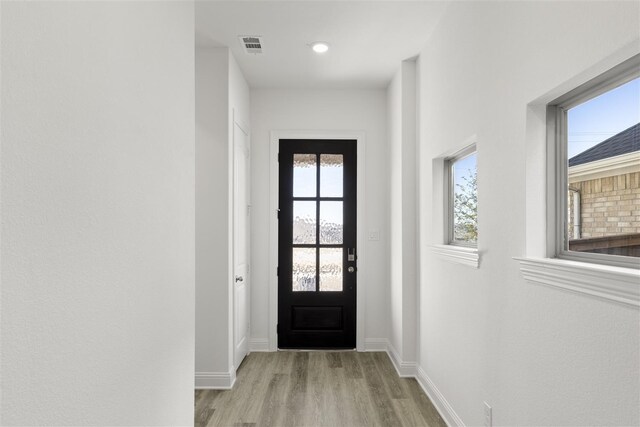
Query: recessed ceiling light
{"points": [[319, 47]]}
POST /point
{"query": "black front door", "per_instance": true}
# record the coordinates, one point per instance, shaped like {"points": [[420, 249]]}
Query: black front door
{"points": [[317, 244]]}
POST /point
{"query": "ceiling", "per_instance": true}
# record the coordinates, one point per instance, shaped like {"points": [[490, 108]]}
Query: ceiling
{"points": [[367, 39]]}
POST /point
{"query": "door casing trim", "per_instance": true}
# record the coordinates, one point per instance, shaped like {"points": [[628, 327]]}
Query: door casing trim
{"points": [[275, 137]]}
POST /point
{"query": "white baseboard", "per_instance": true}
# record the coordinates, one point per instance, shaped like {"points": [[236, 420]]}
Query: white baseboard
{"points": [[375, 344], [404, 369], [411, 369], [215, 380], [258, 344], [437, 398]]}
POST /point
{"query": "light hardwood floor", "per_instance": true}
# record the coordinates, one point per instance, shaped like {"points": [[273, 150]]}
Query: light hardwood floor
{"points": [[291, 388]]}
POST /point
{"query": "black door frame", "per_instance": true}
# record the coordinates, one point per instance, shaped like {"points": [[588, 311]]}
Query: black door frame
{"points": [[270, 344]]}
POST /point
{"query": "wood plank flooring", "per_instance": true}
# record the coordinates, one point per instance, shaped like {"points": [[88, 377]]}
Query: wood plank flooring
{"points": [[317, 388]]}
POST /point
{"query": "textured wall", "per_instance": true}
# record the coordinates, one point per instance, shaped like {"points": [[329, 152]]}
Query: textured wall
{"points": [[537, 355], [97, 210]]}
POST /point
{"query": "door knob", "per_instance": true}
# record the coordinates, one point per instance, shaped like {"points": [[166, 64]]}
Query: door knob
{"points": [[239, 279], [351, 269]]}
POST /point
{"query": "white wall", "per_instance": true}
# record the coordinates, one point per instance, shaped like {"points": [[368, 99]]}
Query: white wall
{"points": [[212, 210], [221, 92], [537, 355], [239, 93], [394, 129], [401, 99], [97, 213], [409, 212], [322, 110]]}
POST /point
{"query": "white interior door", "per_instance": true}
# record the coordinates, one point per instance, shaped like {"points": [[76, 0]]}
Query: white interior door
{"points": [[241, 243]]}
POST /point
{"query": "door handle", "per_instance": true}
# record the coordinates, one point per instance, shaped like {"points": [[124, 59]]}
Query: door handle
{"points": [[351, 269], [239, 279]]}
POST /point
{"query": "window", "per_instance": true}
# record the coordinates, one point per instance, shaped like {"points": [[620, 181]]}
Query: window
{"points": [[455, 204], [462, 198], [596, 130]]}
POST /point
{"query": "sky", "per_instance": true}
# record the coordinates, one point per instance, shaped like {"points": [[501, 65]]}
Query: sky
{"points": [[462, 168], [603, 116]]}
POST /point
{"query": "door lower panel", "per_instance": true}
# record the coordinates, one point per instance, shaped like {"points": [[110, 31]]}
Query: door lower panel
{"points": [[317, 318]]}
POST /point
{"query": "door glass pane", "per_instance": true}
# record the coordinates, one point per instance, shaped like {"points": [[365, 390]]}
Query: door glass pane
{"points": [[331, 223], [304, 175], [304, 222], [304, 269], [330, 269], [331, 171]]}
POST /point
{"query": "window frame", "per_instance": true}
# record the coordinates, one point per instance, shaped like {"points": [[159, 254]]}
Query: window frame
{"points": [[557, 144], [449, 196]]}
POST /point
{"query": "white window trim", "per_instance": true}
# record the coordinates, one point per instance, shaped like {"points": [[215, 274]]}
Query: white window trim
{"points": [[618, 284], [443, 247], [458, 254], [540, 265]]}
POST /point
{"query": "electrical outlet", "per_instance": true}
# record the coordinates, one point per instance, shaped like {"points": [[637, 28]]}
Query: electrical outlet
{"points": [[488, 421]]}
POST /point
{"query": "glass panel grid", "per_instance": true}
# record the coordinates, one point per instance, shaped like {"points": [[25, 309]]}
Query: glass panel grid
{"points": [[317, 263]]}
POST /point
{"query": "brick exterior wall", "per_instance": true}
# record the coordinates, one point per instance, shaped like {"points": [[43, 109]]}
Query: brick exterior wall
{"points": [[610, 206]]}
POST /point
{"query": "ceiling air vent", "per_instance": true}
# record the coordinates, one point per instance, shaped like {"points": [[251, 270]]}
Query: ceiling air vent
{"points": [[251, 44]]}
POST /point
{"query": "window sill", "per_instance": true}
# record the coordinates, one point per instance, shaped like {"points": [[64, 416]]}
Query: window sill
{"points": [[458, 254], [618, 284]]}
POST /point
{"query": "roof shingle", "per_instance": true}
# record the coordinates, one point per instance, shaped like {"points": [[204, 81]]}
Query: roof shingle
{"points": [[624, 142]]}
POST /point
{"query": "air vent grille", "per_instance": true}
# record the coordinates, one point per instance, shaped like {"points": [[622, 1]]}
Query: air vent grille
{"points": [[252, 44]]}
